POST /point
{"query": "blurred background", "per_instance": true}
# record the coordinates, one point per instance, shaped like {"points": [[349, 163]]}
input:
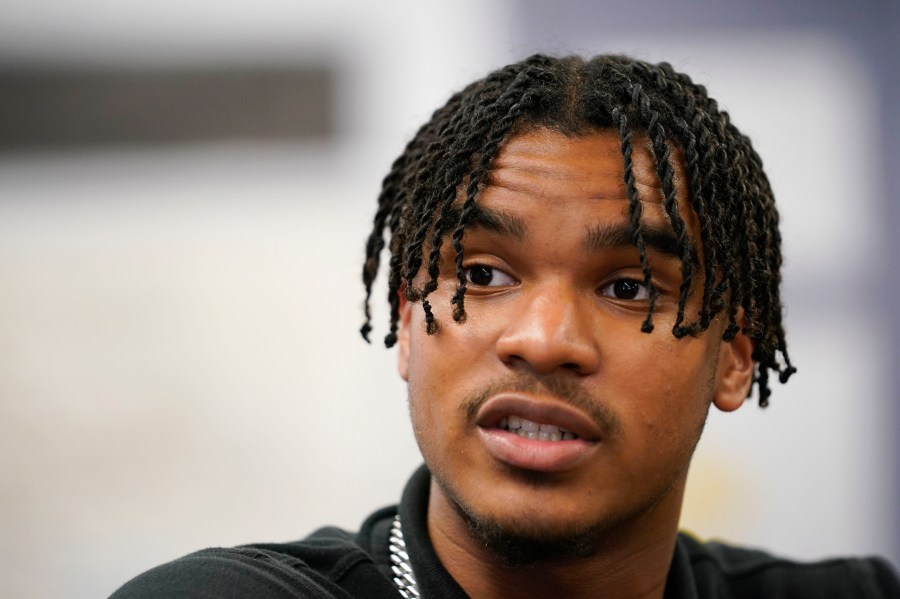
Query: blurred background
{"points": [[185, 189]]}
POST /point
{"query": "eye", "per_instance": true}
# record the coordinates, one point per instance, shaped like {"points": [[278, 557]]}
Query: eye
{"points": [[626, 289], [487, 276]]}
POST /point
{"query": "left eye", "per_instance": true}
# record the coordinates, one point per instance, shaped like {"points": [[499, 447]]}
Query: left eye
{"points": [[626, 289], [488, 276]]}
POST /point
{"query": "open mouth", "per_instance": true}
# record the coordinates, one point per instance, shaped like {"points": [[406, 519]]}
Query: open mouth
{"points": [[537, 431]]}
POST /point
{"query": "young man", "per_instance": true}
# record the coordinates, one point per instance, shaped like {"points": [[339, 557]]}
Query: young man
{"points": [[584, 257]]}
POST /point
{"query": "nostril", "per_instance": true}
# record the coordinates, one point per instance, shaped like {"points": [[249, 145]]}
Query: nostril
{"points": [[512, 358]]}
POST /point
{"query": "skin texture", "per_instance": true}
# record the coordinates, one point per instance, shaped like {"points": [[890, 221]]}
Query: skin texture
{"points": [[555, 325]]}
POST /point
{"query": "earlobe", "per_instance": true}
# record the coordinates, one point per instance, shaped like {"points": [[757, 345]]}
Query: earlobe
{"points": [[735, 374], [403, 336]]}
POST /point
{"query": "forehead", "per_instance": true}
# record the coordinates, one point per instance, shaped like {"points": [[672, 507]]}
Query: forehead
{"points": [[547, 185], [545, 162]]}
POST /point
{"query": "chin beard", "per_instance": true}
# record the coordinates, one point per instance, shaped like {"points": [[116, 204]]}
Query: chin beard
{"points": [[519, 544], [526, 547]]}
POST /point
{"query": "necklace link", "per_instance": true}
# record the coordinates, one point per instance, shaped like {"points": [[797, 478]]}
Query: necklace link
{"points": [[400, 564]]}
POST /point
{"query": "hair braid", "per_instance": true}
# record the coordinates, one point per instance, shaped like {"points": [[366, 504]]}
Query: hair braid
{"points": [[696, 162], [447, 157], [661, 153], [634, 213], [479, 174], [451, 181], [387, 202]]}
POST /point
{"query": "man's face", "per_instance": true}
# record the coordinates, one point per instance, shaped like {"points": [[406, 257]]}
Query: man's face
{"points": [[553, 342]]}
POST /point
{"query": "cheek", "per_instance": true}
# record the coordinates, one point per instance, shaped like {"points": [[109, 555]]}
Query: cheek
{"points": [[420, 389], [456, 353], [422, 405], [670, 382], [433, 383], [679, 364]]}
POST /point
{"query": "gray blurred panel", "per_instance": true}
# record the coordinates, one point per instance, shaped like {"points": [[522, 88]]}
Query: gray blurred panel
{"points": [[44, 108]]}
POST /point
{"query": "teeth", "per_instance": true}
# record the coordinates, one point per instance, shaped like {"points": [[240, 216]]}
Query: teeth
{"points": [[529, 426], [534, 430]]}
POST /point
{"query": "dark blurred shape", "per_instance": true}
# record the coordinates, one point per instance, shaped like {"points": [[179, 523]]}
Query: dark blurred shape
{"points": [[50, 108]]}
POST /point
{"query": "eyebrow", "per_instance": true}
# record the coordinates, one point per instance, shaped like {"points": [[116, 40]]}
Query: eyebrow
{"points": [[597, 238], [495, 221], [659, 239]]}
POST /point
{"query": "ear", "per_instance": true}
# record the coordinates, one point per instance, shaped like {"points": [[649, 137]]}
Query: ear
{"points": [[735, 374], [403, 335]]}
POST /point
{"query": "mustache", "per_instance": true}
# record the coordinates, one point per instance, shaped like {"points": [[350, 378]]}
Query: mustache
{"points": [[559, 385]]}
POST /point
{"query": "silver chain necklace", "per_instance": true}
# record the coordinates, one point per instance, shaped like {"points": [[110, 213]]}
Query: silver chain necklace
{"points": [[403, 572]]}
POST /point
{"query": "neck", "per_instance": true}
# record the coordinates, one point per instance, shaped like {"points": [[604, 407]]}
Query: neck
{"points": [[631, 561]]}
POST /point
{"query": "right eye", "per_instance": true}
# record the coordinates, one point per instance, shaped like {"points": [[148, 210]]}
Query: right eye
{"points": [[487, 276], [626, 289]]}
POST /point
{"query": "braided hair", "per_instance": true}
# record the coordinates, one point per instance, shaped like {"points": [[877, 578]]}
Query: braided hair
{"points": [[728, 190]]}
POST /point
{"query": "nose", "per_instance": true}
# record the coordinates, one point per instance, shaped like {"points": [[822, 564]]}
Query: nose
{"points": [[552, 330]]}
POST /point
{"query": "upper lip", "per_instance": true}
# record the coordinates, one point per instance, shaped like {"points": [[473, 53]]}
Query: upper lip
{"points": [[545, 410]]}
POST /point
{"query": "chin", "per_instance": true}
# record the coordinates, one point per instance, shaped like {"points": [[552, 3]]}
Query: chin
{"points": [[520, 535], [525, 541], [539, 524]]}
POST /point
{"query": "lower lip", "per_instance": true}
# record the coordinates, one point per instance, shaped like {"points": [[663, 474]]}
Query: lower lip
{"points": [[530, 454]]}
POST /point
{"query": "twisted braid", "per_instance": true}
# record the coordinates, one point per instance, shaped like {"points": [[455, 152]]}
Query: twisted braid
{"points": [[696, 162], [634, 213], [478, 176], [661, 154], [443, 169]]}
